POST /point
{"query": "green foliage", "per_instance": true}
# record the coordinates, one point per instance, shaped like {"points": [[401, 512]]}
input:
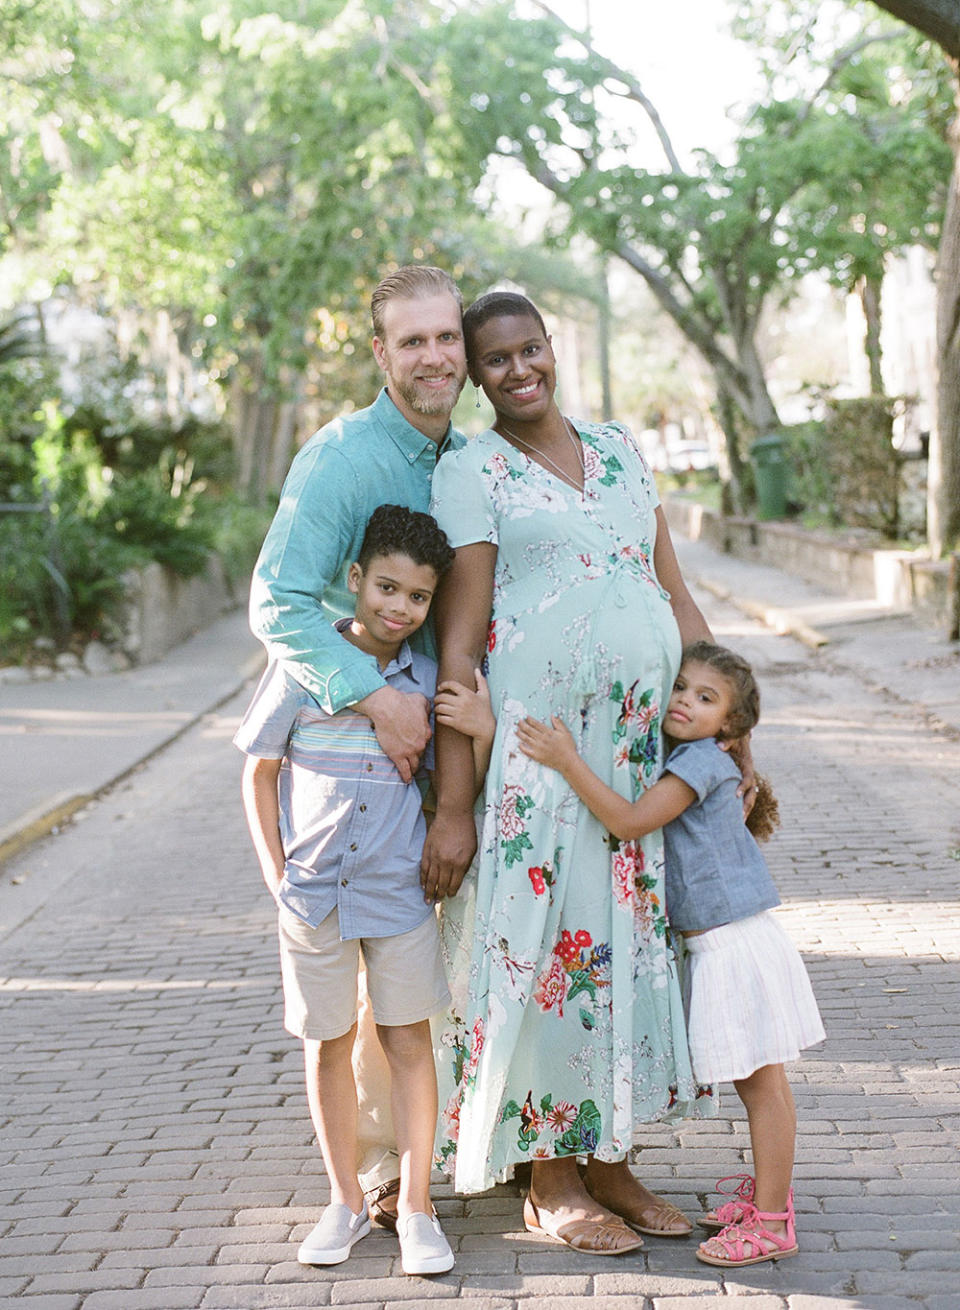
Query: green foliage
{"points": [[249, 171], [59, 575], [862, 463], [809, 484], [238, 531], [99, 500], [845, 470], [139, 513]]}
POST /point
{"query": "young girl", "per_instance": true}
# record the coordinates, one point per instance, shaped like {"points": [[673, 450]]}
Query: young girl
{"points": [[750, 1004]]}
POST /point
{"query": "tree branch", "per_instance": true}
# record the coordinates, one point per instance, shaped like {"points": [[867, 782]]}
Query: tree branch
{"points": [[387, 59], [634, 89]]}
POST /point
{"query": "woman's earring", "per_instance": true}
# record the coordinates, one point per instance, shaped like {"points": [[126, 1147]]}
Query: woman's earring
{"points": [[477, 390]]}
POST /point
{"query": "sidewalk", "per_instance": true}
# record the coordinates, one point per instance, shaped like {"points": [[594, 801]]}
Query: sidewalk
{"points": [[914, 663], [65, 741]]}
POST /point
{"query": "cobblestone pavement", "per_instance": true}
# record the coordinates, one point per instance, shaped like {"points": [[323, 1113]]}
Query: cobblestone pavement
{"points": [[156, 1150]]}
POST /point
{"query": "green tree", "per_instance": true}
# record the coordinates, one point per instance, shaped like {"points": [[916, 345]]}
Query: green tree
{"points": [[719, 240], [245, 174]]}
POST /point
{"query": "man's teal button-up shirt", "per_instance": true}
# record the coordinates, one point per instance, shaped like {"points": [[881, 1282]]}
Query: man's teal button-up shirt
{"points": [[299, 589]]}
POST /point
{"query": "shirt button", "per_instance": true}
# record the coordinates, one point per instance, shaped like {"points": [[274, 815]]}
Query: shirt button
{"points": [[363, 809], [343, 882], [353, 845], [369, 768]]}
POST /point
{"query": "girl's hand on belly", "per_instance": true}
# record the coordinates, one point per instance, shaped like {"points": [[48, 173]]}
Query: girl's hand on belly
{"points": [[552, 744]]}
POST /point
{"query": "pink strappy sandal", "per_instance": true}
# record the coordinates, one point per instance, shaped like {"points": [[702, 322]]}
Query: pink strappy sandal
{"points": [[750, 1242], [731, 1212]]}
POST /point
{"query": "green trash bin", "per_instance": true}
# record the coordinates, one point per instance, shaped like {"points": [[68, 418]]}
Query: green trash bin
{"points": [[770, 475]]}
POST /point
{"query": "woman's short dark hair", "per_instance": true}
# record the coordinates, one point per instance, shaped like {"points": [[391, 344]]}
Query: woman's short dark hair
{"points": [[497, 304], [395, 530]]}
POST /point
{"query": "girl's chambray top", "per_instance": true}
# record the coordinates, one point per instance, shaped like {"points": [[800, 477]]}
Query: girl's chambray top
{"points": [[352, 829], [715, 872]]}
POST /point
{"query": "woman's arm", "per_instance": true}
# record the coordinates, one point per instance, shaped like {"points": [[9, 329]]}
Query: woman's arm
{"points": [[470, 712], [693, 626], [463, 608], [262, 809], [555, 747]]}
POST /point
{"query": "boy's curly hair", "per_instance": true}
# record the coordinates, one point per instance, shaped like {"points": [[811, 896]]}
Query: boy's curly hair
{"points": [[396, 530], [744, 715]]}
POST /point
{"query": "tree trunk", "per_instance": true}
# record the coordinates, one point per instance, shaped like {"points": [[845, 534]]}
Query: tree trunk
{"points": [[943, 481], [760, 411], [870, 291], [727, 415], [603, 345], [940, 19]]}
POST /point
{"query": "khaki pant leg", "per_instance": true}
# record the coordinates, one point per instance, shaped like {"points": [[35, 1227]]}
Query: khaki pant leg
{"points": [[377, 1160]]}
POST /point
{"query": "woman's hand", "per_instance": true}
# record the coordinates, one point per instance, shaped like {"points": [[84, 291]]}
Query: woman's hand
{"points": [[469, 712], [740, 749], [553, 745]]}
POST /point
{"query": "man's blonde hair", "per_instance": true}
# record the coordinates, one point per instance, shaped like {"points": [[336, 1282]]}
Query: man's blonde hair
{"points": [[409, 283]]}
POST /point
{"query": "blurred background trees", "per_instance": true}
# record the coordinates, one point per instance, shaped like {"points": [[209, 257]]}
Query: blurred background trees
{"points": [[197, 199]]}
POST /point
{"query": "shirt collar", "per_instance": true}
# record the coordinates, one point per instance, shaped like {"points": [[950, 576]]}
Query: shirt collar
{"points": [[402, 661], [409, 439]]}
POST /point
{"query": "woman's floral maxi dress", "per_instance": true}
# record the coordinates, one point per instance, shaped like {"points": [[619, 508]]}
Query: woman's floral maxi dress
{"points": [[567, 1027]]}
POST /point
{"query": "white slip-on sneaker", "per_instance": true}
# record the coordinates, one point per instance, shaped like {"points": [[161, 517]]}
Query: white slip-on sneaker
{"points": [[330, 1241], [423, 1247]]}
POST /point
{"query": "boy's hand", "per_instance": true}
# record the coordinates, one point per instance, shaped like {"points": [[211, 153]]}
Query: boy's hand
{"points": [[553, 745], [469, 712]]}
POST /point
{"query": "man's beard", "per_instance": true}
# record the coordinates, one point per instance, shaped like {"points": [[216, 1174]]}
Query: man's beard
{"points": [[423, 400]]}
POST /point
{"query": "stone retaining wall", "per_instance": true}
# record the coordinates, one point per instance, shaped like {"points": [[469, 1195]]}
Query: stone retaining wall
{"points": [[898, 578], [161, 610]]}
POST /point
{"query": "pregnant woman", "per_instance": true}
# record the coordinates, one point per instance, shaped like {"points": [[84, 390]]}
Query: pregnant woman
{"points": [[568, 1031]]}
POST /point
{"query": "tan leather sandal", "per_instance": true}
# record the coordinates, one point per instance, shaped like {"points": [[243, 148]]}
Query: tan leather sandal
{"points": [[656, 1218], [382, 1204], [592, 1236]]}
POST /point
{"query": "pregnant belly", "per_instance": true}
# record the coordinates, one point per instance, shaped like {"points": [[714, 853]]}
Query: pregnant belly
{"points": [[604, 631]]}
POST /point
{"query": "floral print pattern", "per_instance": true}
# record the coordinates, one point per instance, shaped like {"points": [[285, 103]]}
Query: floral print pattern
{"points": [[566, 1031]]}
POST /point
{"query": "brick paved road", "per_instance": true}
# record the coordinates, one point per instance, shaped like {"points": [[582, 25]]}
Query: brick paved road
{"points": [[156, 1150]]}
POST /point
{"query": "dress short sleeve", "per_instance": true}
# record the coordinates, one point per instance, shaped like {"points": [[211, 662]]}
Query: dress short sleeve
{"points": [[622, 433], [702, 765], [461, 500]]}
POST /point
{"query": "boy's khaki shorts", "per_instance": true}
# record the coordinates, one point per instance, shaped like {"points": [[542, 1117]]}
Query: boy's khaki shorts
{"points": [[405, 976]]}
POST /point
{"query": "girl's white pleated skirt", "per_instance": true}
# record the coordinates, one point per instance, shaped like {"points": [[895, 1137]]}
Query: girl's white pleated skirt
{"points": [[748, 999]]}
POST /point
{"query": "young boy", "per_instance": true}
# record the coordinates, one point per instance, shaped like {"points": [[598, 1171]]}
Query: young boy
{"points": [[339, 837]]}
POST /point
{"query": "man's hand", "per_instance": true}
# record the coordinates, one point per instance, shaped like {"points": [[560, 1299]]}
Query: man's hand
{"points": [[447, 852], [402, 725]]}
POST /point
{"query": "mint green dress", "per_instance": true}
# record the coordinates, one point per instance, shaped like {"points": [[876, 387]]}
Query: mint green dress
{"points": [[567, 1029]]}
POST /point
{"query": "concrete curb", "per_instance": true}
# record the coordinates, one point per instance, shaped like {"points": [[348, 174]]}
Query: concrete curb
{"points": [[780, 620], [37, 823]]}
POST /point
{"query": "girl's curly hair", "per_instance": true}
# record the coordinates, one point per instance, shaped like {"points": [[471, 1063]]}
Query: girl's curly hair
{"points": [[764, 819], [744, 715]]}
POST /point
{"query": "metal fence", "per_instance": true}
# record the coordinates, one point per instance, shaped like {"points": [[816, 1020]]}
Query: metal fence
{"points": [[51, 559]]}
